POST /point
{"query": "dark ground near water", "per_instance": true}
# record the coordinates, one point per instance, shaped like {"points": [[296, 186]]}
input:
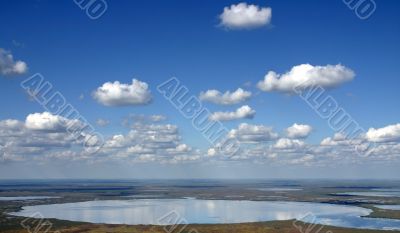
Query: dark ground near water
{"points": [[84, 190]]}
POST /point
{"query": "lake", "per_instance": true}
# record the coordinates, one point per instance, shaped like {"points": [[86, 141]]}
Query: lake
{"points": [[152, 211], [388, 207], [24, 198], [373, 194], [381, 192], [279, 189]]}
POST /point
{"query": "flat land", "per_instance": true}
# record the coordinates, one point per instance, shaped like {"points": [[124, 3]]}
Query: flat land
{"points": [[257, 190], [263, 227]]}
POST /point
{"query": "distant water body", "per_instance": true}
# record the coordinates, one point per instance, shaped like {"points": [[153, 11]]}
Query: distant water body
{"points": [[279, 189], [375, 193], [24, 198], [388, 207], [157, 211]]}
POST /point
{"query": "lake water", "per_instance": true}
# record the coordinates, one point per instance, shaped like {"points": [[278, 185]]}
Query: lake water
{"points": [[158, 211], [388, 207], [373, 194], [24, 198], [279, 189]]}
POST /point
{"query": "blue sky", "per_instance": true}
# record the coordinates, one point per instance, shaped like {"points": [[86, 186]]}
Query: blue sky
{"points": [[152, 41]]}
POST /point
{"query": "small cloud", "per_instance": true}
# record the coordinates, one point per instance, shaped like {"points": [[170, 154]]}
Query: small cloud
{"points": [[157, 118], [248, 133], [9, 67], [298, 131], [120, 94], [306, 76], [244, 16], [240, 113], [18, 44], [211, 152], [102, 122], [228, 98], [133, 119], [247, 84], [305, 160], [286, 144]]}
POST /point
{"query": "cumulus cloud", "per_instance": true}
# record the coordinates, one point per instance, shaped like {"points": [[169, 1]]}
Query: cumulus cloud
{"points": [[337, 139], [10, 67], [253, 133], [298, 131], [305, 76], [226, 98], [48, 121], [39, 135], [143, 143], [385, 134], [120, 94], [286, 143], [150, 143], [245, 16], [10, 123], [240, 113]]}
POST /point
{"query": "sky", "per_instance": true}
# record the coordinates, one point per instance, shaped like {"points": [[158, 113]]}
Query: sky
{"points": [[254, 67]]}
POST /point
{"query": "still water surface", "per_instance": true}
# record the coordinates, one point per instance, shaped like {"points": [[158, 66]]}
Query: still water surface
{"points": [[375, 193], [24, 198], [152, 211], [388, 207]]}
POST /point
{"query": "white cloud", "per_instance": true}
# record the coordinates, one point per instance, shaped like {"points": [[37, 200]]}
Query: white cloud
{"points": [[240, 113], [119, 94], [303, 160], [133, 119], [40, 138], [157, 118], [9, 67], [139, 149], [253, 133], [298, 131], [10, 124], [185, 158], [385, 134], [48, 121], [244, 16], [116, 141], [211, 152], [102, 122], [305, 76], [286, 143], [179, 149], [337, 139], [149, 136], [39, 135], [150, 143], [227, 98]]}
